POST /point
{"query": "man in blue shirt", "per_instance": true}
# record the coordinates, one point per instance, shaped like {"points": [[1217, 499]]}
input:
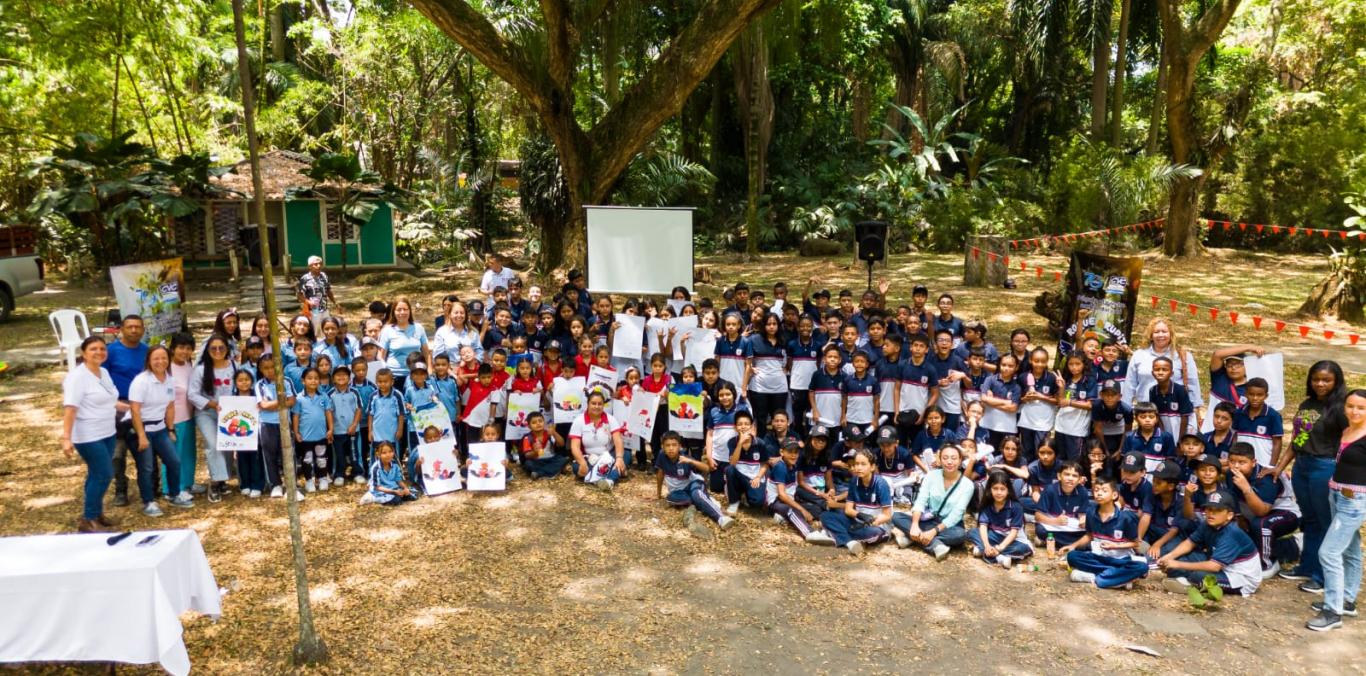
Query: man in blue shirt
{"points": [[127, 357]]}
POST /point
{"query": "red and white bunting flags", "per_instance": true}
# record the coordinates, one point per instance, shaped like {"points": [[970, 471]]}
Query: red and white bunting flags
{"points": [[1174, 304]]}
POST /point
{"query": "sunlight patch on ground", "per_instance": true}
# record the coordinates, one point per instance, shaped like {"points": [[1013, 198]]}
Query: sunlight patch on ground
{"points": [[586, 589], [516, 533], [49, 501], [324, 594], [710, 566], [430, 617], [386, 535], [318, 516]]}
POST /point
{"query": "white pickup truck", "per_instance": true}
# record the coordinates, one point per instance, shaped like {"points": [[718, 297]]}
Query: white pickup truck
{"points": [[21, 270]]}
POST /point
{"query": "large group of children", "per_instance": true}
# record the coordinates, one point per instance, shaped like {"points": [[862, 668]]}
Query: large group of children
{"points": [[851, 422]]}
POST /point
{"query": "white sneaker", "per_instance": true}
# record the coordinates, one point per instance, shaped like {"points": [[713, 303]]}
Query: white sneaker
{"points": [[1272, 571], [323, 483], [368, 498], [1082, 577], [855, 547], [298, 495], [358, 479], [1005, 561], [940, 551], [820, 537], [151, 509], [185, 496], [778, 518], [277, 492], [246, 492], [1176, 585], [604, 485], [310, 486], [725, 522], [976, 551], [733, 508], [183, 501], [902, 540], [255, 494]]}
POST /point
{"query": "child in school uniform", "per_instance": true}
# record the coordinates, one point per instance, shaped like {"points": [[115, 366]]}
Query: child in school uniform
{"points": [[312, 422], [1112, 367], [447, 388], [657, 382], [1043, 472], [418, 393], [720, 430], [387, 486], [346, 416], [270, 423], [543, 449], [1076, 399], [896, 466], [1112, 536], [866, 516], [251, 472], [1038, 403], [815, 481], [682, 476], [1266, 504], [1260, 425], [803, 360], [1149, 437], [1165, 523], [999, 536], [1061, 515], [827, 390], [932, 437], [1220, 548], [781, 491], [861, 392], [748, 456], [303, 359], [1134, 488], [919, 390], [1171, 399], [1188, 449], [952, 373], [385, 411], [524, 381], [480, 403], [1207, 480], [1001, 394], [1219, 440], [735, 354], [1111, 418], [360, 443]]}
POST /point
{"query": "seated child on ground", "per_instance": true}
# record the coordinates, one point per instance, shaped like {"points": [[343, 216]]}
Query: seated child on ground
{"points": [[1062, 508], [999, 535], [866, 516], [541, 449], [1111, 535], [781, 490], [682, 476], [387, 486], [1217, 548]]}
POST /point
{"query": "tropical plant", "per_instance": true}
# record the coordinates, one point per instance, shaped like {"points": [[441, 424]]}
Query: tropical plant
{"points": [[663, 179], [1343, 292]]}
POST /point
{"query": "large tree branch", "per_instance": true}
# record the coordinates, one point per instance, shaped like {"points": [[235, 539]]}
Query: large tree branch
{"points": [[468, 27], [561, 40], [660, 93], [1211, 25]]}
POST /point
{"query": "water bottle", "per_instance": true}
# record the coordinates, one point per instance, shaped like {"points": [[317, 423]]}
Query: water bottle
{"points": [[1052, 547]]}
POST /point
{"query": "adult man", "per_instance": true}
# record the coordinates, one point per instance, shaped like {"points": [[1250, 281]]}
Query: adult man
{"points": [[127, 356], [315, 292], [495, 276]]}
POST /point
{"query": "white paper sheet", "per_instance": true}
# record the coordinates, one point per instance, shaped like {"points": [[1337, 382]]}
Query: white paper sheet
{"points": [[628, 337]]}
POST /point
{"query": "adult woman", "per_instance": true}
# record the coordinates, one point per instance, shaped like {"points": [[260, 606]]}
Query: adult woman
{"points": [[225, 324], [456, 333], [1316, 433], [90, 403], [1138, 380], [936, 521], [211, 379], [401, 337], [260, 327], [151, 400], [768, 385], [1340, 552], [595, 443]]}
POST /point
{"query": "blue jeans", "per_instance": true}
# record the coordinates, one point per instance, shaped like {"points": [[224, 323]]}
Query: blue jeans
{"points": [[1340, 552], [1017, 549], [738, 486], [1110, 571], [547, 467], [158, 444], [342, 456], [953, 536], [1310, 481], [99, 466], [696, 495], [844, 530]]}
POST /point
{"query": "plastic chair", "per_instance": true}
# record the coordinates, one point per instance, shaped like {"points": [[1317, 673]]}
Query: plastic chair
{"points": [[71, 328]]}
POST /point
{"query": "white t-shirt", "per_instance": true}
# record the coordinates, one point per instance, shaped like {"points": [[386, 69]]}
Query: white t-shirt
{"points": [[95, 399], [596, 439], [154, 396], [493, 280]]}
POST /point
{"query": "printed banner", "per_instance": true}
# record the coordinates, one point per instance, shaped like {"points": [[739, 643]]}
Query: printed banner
{"points": [[520, 405], [432, 415], [568, 399], [486, 471], [1102, 292], [628, 337], [239, 424], [154, 291], [440, 468], [685, 410], [640, 415], [600, 378]]}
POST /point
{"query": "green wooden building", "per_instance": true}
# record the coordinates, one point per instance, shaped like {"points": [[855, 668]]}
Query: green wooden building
{"points": [[299, 228]]}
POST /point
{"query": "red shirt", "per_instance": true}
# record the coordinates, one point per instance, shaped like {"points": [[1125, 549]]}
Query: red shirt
{"points": [[649, 384], [580, 366], [479, 394], [500, 378], [549, 372], [469, 375], [526, 385], [529, 445]]}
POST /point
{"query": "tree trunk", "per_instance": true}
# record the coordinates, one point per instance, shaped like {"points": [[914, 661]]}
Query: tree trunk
{"points": [[1100, 79], [1157, 113], [755, 96], [278, 36], [1121, 74], [310, 649]]}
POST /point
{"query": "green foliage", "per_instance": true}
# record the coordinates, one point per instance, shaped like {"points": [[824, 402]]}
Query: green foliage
{"points": [[663, 179], [1095, 186]]}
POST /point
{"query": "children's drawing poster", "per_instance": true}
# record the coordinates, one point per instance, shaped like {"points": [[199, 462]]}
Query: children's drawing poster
{"points": [[701, 347], [1105, 289], [440, 468], [603, 379], [621, 410], [432, 415], [154, 291], [486, 471], [567, 399], [629, 337], [520, 405], [639, 415], [239, 424], [685, 410]]}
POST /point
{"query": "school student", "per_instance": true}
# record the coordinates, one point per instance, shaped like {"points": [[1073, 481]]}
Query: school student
{"points": [[1043, 472], [542, 453], [1134, 488], [387, 486], [748, 459], [952, 372], [1150, 438], [936, 519], [680, 474], [735, 354], [919, 390], [999, 535], [251, 472], [1038, 403], [1166, 521], [1112, 535], [1076, 403], [1171, 399], [895, 465], [1221, 550], [815, 478], [1260, 425], [1061, 514], [1265, 501], [346, 414], [270, 407], [720, 430], [827, 401], [1001, 394], [1207, 479], [781, 490], [1111, 418], [932, 437], [867, 508], [861, 392], [767, 390], [385, 411], [313, 430], [1228, 374]]}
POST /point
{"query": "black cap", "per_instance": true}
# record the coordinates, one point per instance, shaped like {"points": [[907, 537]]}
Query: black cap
{"points": [[790, 443], [1233, 357], [546, 309], [1220, 499], [1206, 459], [552, 345], [886, 434], [476, 305], [820, 431], [823, 293], [1110, 386], [1133, 461], [854, 432], [1168, 471]]}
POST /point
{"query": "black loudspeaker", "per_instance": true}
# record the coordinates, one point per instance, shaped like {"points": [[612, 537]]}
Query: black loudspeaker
{"points": [[872, 240]]}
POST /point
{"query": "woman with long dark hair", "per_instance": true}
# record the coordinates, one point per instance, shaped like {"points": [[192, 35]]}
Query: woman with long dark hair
{"points": [[90, 403], [1316, 431], [1340, 551], [212, 378], [768, 385]]}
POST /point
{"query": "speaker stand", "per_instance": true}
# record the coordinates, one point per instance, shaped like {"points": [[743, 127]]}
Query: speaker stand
{"points": [[870, 275]]}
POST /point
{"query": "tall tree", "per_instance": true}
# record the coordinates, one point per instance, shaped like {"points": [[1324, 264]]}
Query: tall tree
{"points": [[1095, 19], [592, 159], [310, 648], [755, 95], [1184, 43], [1121, 72]]}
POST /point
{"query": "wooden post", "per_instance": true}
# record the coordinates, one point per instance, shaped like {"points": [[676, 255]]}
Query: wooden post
{"points": [[232, 263], [980, 267]]}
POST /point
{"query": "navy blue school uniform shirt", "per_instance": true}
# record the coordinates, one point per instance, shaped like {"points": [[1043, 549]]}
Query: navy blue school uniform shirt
{"points": [[989, 352], [813, 469], [1054, 502], [1220, 385], [1219, 448], [1176, 402], [953, 325], [731, 351], [1002, 521], [1134, 498], [1264, 426], [1041, 476], [926, 441], [493, 338], [758, 454], [861, 392], [781, 475], [1116, 371], [899, 463], [1121, 527], [809, 351], [677, 474], [1115, 420], [1233, 549], [943, 366], [1156, 447], [1267, 488], [870, 500], [1163, 517]]}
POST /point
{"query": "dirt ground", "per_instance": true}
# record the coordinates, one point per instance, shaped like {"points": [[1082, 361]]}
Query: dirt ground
{"points": [[555, 577]]}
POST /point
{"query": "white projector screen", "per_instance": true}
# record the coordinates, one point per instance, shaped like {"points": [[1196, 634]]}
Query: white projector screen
{"points": [[639, 250]]}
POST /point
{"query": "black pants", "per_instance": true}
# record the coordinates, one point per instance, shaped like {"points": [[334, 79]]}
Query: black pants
{"points": [[125, 443], [801, 405], [764, 405]]}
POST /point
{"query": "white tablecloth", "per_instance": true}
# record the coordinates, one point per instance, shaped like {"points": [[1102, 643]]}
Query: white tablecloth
{"points": [[74, 598]]}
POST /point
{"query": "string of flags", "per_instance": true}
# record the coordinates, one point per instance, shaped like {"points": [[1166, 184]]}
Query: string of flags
{"points": [[1158, 224], [1196, 310], [1291, 230], [1046, 240]]}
